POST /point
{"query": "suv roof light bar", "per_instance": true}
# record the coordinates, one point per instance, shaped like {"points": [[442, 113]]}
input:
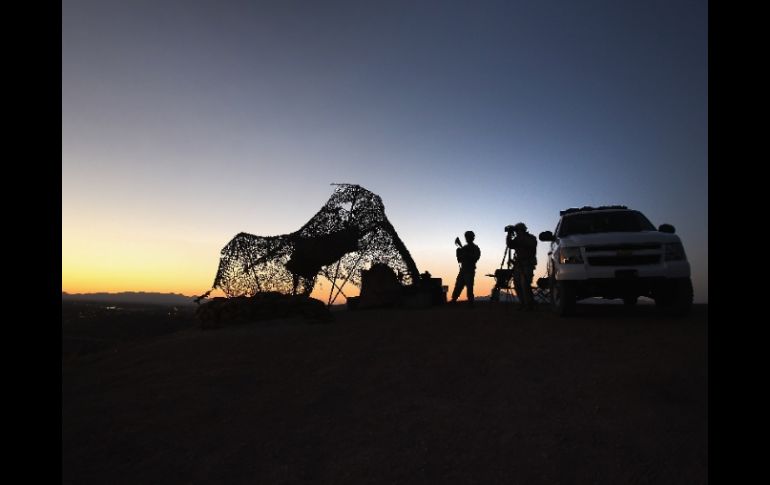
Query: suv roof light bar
{"points": [[586, 208]]}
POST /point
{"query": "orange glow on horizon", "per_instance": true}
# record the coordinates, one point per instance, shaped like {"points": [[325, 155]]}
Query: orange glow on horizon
{"points": [[101, 280], [131, 262]]}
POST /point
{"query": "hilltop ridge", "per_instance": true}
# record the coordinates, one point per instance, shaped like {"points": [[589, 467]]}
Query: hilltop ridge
{"points": [[131, 297]]}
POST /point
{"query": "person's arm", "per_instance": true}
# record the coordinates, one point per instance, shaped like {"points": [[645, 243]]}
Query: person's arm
{"points": [[514, 242]]}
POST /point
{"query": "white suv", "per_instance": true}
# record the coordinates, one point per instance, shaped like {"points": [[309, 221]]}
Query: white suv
{"points": [[614, 252]]}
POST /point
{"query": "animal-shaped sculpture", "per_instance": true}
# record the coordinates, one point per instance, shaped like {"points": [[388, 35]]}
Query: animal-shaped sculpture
{"points": [[350, 232]]}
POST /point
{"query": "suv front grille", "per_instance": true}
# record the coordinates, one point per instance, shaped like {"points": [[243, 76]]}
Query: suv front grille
{"points": [[624, 260], [623, 247]]}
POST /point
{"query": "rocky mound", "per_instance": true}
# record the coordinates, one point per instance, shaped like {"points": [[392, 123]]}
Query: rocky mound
{"points": [[262, 306]]}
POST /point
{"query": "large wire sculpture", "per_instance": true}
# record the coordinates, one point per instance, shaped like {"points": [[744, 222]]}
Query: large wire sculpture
{"points": [[350, 232]]}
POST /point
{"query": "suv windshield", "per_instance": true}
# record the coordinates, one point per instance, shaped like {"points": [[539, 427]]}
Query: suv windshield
{"points": [[604, 221]]}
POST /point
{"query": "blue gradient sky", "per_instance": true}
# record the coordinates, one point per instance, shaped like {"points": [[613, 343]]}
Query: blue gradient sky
{"points": [[186, 122]]}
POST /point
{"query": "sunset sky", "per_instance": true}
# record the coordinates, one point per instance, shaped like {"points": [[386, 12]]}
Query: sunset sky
{"points": [[186, 122]]}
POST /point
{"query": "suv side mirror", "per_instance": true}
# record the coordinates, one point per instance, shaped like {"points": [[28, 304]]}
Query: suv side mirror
{"points": [[546, 236], [666, 228]]}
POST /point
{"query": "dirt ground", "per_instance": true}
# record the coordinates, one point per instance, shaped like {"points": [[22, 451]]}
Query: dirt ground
{"points": [[442, 395]]}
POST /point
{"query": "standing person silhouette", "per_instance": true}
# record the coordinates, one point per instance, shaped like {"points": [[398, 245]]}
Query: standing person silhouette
{"points": [[524, 262], [467, 256]]}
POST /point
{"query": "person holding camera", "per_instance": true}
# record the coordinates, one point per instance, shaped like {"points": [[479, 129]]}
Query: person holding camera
{"points": [[525, 246], [467, 256]]}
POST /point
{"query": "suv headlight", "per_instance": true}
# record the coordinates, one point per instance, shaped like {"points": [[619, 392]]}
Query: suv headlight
{"points": [[570, 255], [674, 252]]}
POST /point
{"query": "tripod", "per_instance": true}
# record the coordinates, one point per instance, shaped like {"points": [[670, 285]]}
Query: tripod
{"points": [[503, 277]]}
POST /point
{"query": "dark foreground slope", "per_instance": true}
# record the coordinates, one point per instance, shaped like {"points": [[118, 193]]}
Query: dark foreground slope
{"points": [[446, 395]]}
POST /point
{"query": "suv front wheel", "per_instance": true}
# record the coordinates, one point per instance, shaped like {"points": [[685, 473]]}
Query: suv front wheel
{"points": [[630, 300], [563, 297], [675, 297]]}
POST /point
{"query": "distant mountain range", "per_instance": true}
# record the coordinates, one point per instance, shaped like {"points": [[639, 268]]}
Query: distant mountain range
{"points": [[131, 297]]}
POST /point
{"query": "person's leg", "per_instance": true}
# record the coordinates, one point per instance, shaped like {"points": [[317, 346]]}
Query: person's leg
{"points": [[469, 284], [459, 284], [530, 273], [518, 285]]}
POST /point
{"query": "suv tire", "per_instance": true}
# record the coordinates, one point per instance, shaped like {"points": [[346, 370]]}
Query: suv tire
{"points": [[629, 300], [563, 298], [675, 298]]}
